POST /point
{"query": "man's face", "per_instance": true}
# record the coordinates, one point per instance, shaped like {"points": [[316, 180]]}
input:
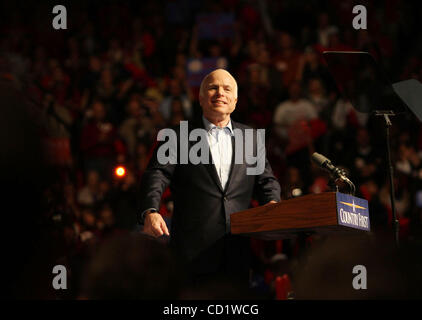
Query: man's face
{"points": [[219, 94]]}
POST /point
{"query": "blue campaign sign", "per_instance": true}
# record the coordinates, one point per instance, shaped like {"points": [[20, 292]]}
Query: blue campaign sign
{"points": [[352, 212], [215, 25]]}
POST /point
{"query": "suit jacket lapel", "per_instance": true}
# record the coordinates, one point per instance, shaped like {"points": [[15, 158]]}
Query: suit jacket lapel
{"points": [[213, 172], [210, 166], [234, 168]]}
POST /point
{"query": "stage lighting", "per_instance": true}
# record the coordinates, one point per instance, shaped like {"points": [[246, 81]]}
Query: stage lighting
{"points": [[120, 171]]}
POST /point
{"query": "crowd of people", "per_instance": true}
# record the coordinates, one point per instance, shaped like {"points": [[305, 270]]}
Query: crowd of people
{"points": [[101, 90]]}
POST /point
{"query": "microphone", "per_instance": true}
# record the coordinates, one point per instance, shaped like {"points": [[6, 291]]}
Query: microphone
{"points": [[326, 164], [338, 174]]}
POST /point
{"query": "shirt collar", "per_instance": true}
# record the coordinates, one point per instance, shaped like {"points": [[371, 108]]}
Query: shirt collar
{"points": [[209, 126]]}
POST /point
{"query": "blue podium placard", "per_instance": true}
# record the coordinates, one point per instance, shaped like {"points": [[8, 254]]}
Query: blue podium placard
{"points": [[352, 212]]}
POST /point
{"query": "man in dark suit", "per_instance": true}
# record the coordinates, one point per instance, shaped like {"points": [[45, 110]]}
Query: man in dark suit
{"points": [[205, 195]]}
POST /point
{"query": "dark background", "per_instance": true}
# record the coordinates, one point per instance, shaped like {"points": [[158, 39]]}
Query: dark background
{"points": [[78, 102]]}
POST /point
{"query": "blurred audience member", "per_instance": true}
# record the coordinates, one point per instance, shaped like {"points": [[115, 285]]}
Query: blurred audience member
{"points": [[175, 92], [89, 194], [128, 129], [98, 142], [287, 59], [294, 109]]}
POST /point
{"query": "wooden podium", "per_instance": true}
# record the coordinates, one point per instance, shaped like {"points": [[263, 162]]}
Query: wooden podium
{"points": [[309, 214]]}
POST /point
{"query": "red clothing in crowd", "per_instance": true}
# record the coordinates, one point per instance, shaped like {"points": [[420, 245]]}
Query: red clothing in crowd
{"points": [[98, 139]]}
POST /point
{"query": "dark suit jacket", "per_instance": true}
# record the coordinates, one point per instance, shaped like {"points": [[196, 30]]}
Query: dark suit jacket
{"points": [[200, 228]]}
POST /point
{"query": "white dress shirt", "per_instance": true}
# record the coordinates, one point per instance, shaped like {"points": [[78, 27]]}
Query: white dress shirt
{"points": [[220, 142]]}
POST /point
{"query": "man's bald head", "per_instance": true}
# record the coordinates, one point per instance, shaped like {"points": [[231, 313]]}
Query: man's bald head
{"points": [[220, 72], [218, 96]]}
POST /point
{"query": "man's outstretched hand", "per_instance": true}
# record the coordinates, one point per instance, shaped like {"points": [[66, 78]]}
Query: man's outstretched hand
{"points": [[155, 225]]}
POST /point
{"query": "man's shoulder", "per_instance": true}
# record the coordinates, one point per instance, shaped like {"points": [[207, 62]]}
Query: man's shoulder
{"points": [[238, 125]]}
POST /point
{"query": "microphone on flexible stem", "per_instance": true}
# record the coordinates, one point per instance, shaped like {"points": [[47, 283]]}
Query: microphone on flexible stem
{"points": [[336, 173]]}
